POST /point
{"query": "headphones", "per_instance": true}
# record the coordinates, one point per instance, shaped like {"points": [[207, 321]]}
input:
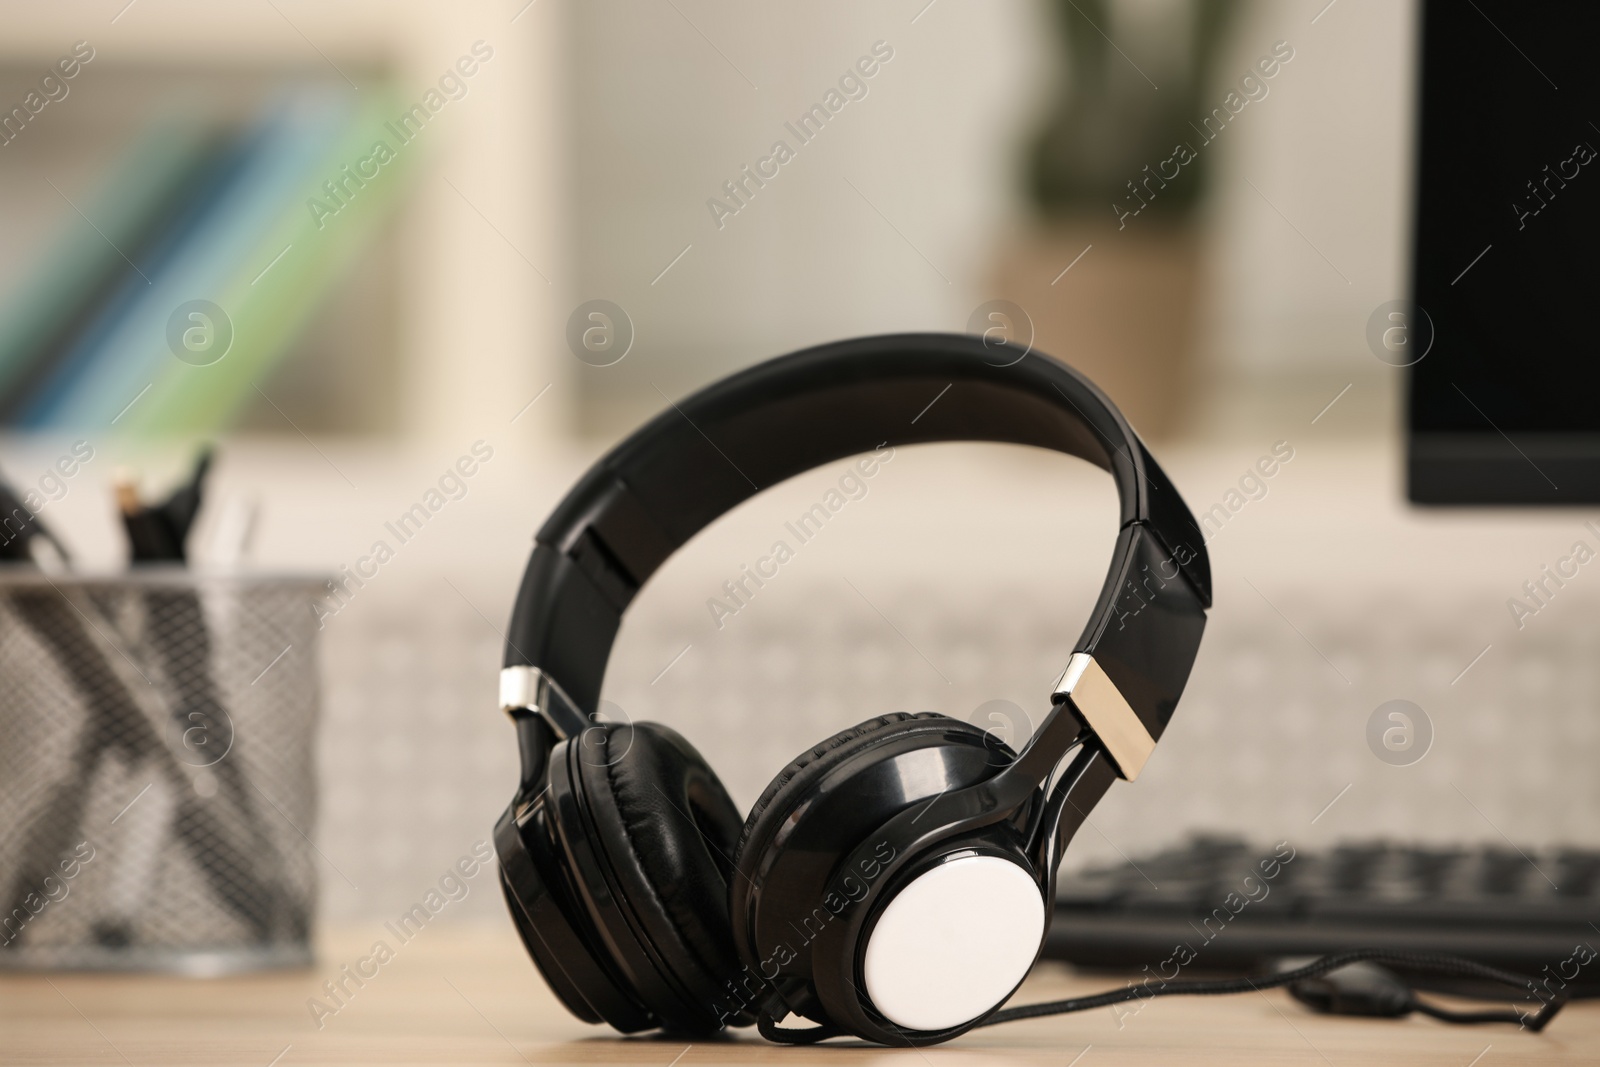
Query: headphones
{"points": [[895, 882]]}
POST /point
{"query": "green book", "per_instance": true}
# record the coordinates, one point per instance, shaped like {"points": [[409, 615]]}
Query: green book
{"points": [[324, 223]]}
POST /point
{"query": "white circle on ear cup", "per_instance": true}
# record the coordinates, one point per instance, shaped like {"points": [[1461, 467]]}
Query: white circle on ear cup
{"points": [[954, 942]]}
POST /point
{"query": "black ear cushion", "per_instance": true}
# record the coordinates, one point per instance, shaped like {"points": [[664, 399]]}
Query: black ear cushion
{"points": [[669, 830]]}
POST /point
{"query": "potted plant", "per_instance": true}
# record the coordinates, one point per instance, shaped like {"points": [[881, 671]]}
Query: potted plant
{"points": [[1109, 270]]}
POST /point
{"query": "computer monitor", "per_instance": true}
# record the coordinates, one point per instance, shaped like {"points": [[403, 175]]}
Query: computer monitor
{"points": [[1504, 397]]}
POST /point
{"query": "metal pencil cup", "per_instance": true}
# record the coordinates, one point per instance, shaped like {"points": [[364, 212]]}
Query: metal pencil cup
{"points": [[157, 781]]}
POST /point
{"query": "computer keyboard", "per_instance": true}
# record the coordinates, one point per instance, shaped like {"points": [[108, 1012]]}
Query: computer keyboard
{"points": [[1222, 904]]}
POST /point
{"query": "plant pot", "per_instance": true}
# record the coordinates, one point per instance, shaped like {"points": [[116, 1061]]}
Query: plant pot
{"points": [[1123, 313]]}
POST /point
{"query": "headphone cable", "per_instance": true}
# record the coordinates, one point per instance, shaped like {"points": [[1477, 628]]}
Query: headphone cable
{"points": [[1417, 962]]}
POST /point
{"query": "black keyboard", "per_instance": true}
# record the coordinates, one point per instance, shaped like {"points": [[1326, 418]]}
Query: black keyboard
{"points": [[1233, 906]]}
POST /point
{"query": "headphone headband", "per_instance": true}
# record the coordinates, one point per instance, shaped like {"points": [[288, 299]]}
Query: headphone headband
{"points": [[712, 451]]}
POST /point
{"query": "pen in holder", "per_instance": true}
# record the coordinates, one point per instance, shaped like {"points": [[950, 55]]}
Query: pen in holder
{"points": [[157, 780]]}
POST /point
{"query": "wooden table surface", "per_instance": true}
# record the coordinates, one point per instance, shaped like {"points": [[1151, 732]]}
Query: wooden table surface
{"points": [[468, 995]]}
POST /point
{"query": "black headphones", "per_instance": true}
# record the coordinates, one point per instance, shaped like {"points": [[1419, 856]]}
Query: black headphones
{"points": [[894, 882]]}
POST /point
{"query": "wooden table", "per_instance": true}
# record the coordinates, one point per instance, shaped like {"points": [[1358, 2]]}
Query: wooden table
{"points": [[468, 995]]}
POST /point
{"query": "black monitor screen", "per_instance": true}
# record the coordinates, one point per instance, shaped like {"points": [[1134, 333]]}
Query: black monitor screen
{"points": [[1505, 404]]}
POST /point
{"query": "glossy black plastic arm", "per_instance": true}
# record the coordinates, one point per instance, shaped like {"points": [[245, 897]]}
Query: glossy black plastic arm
{"points": [[717, 448]]}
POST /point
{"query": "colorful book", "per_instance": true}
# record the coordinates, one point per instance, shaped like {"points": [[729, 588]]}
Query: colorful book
{"points": [[318, 230], [127, 347]]}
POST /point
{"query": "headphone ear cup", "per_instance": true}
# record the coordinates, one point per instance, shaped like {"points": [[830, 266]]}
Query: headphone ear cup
{"points": [[667, 831], [790, 784], [790, 808], [783, 783]]}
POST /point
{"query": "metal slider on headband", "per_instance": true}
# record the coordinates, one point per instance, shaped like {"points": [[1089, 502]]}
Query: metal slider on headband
{"points": [[530, 689], [1101, 705]]}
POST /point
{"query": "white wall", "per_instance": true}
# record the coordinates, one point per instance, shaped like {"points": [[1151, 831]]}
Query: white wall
{"points": [[664, 116], [663, 120], [1300, 261]]}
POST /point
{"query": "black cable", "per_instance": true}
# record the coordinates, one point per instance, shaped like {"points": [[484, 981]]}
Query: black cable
{"points": [[1474, 1016], [1426, 963]]}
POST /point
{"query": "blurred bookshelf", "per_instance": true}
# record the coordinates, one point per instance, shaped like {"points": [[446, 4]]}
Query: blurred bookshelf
{"points": [[179, 163]]}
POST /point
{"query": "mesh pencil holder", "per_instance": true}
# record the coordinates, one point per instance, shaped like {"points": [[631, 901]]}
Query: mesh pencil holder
{"points": [[157, 780]]}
